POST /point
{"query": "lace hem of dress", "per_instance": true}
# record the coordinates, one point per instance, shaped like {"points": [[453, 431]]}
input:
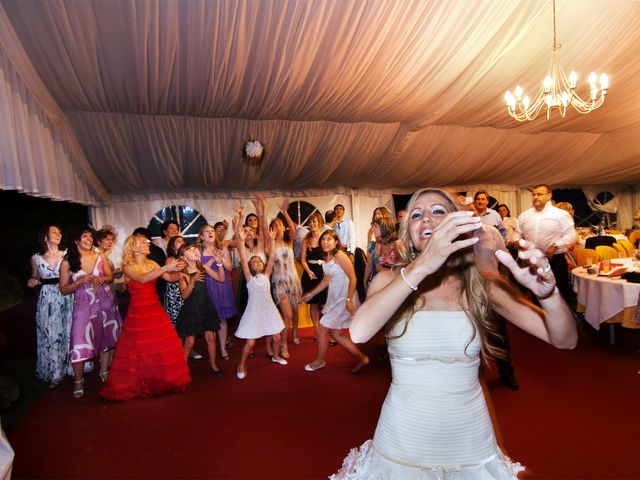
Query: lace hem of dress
{"points": [[365, 463]]}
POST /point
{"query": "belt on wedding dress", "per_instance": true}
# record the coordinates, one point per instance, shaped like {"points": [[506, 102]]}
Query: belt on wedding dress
{"points": [[316, 262], [437, 358], [439, 469]]}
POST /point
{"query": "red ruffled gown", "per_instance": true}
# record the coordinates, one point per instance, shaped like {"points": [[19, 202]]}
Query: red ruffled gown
{"points": [[149, 358]]}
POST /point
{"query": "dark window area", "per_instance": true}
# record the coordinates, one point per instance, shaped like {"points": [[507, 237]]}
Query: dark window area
{"points": [[584, 216], [300, 211], [189, 219]]}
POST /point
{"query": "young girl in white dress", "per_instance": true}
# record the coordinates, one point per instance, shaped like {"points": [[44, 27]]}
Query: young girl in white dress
{"points": [[261, 317], [438, 312], [340, 277], [285, 279]]}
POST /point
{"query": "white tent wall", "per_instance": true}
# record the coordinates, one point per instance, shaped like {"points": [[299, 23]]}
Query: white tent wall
{"points": [[125, 215]]}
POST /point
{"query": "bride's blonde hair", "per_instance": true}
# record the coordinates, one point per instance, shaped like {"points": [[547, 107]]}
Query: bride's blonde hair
{"points": [[475, 287]]}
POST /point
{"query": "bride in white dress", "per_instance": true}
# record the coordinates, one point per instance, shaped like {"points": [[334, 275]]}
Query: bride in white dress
{"points": [[437, 310]]}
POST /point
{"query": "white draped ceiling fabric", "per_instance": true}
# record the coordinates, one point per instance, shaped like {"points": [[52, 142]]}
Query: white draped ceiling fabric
{"points": [[149, 100]]}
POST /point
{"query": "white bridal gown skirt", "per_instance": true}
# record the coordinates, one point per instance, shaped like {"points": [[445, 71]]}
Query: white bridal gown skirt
{"points": [[434, 423]]}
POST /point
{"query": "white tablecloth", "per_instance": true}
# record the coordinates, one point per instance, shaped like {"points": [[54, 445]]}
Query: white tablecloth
{"points": [[603, 297]]}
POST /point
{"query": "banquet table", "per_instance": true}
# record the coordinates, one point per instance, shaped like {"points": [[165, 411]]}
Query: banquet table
{"points": [[604, 299]]}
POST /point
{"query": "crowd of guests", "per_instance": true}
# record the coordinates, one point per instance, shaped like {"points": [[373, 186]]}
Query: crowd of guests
{"points": [[188, 287], [441, 286], [78, 319]]}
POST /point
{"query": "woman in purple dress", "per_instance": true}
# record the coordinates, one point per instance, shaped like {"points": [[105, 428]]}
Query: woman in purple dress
{"points": [[96, 321], [221, 293]]}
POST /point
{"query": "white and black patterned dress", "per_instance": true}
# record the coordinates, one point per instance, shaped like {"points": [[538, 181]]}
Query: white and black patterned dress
{"points": [[53, 324], [173, 301]]}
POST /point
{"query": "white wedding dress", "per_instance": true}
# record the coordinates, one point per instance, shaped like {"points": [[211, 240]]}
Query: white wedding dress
{"points": [[434, 423]]}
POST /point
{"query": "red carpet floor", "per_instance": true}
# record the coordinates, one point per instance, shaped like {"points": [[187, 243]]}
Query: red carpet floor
{"points": [[575, 417]]}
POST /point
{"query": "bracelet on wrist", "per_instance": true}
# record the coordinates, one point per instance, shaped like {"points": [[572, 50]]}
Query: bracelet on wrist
{"points": [[348, 300], [412, 287], [219, 264]]}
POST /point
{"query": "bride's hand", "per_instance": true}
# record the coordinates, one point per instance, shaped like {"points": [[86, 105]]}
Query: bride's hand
{"points": [[445, 240], [536, 275]]}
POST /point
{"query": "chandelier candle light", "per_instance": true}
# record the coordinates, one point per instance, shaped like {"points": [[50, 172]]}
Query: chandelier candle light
{"points": [[557, 91]]}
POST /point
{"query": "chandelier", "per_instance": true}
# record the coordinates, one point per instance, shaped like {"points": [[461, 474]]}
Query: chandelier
{"points": [[557, 91]]}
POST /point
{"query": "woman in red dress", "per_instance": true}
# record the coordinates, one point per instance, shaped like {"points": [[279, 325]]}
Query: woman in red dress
{"points": [[149, 358]]}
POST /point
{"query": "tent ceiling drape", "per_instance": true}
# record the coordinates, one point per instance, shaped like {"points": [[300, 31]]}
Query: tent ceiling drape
{"points": [[161, 95]]}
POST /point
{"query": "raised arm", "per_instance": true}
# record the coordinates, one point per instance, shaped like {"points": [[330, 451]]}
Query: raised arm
{"points": [[272, 240], [554, 323], [243, 254], [261, 207], [290, 223], [134, 272], [225, 259]]}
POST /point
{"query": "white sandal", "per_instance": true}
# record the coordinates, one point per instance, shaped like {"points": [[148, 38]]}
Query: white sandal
{"points": [[78, 391]]}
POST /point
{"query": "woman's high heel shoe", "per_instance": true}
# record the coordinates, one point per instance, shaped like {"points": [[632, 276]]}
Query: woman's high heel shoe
{"points": [[104, 375], [78, 388]]}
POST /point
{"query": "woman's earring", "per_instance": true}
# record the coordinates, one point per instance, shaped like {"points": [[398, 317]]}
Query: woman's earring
{"points": [[413, 251]]}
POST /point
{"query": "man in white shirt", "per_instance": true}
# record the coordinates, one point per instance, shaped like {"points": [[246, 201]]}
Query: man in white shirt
{"points": [[552, 231], [488, 215], [345, 228]]}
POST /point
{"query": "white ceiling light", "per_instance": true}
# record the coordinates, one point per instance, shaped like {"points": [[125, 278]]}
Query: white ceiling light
{"points": [[557, 91]]}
